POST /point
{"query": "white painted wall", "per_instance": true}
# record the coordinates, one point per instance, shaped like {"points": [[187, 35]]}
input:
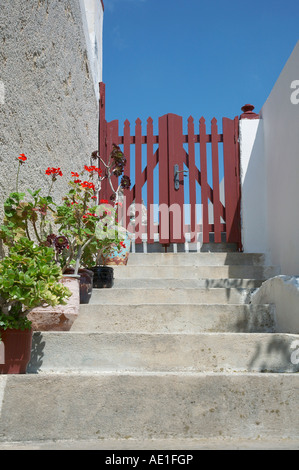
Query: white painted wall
{"points": [[280, 115], [253, 182], [270, 174]]}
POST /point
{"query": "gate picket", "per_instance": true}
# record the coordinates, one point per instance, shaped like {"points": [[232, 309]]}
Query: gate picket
{"points": [[204, 180], [216, 189], [138, 186], [192, 179], [127, 171], [150, 181]]}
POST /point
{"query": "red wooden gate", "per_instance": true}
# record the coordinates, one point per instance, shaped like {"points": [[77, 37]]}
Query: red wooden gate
{"points": [[186, 163]]}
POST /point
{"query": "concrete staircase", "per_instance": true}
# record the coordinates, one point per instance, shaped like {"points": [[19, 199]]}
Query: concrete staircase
{"points": [[173, 356]]}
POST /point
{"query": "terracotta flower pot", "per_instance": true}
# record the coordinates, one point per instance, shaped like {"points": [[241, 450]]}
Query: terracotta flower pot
{"points": [[61, 317], [17, 351]]}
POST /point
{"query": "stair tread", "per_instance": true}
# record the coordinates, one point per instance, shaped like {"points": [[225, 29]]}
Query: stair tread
{"points": [[195, 272], [198, 259], [192, 444], [202, 351], [142, 406]]}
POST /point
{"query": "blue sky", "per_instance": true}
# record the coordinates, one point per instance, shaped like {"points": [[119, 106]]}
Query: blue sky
{"points": [[193, 57]]}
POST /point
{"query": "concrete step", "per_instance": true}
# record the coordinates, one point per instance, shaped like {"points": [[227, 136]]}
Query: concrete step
{"points": [[176, 318], [166, 445], [131, 296], [152, 352], [196, 259], [195, 272], [174, 351], [42, 407], [185, 283]]}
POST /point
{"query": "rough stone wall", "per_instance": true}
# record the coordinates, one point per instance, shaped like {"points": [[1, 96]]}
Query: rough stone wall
{"points": [[49, 110]]}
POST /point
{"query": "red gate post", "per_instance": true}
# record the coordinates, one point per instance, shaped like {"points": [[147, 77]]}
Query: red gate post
{"points": [[232, 180], [111, 138], [108, 135], [192, 180]]}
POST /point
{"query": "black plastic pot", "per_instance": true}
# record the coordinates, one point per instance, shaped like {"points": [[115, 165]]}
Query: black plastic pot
{"points": [[103, 277]]}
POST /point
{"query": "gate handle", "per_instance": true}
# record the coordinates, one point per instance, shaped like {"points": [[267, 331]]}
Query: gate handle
{"points": [[176, 177]]}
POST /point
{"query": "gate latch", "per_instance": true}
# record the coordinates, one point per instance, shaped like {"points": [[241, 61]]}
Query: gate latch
{"points": [[176, 177]]}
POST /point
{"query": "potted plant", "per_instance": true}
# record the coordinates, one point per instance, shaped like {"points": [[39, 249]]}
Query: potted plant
{"points": [[92, 230], [30, 214], [111, 243], [107, 246], [29, 278], [76, 219], [28, 218], [34, 218]]}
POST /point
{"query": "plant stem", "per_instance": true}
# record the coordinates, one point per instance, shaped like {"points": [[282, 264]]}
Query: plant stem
{"points": [[79, 254], [51, 186], [27, 230], [35, 231], [17, 181]]}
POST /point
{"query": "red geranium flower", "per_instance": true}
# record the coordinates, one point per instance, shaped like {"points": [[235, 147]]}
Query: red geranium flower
{"points": [[93, 168], [22, 157], [88, 214], [53, 171], [88, 184], [75, 175]]}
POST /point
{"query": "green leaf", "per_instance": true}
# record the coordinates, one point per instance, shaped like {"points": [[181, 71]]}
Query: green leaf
{"points": [[34, 193]]}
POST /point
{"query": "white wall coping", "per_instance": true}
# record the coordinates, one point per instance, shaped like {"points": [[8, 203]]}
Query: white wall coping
{"points": [[92, 17]]}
